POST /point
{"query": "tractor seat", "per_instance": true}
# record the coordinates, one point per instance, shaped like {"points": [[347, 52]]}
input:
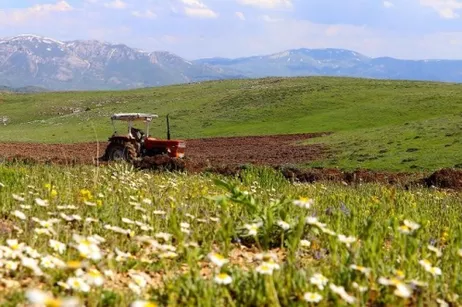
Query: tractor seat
{"points": [[136, 134]]}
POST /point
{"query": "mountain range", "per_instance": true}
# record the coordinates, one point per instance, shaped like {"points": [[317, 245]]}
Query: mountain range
{"points": [[35, 61], [25, 89]]}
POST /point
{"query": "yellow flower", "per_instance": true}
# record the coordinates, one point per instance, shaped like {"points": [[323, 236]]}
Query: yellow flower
{"points": [[399, 274], [168, 255], [99, 202], [445, 235], [140, 303], [53, 193], [74, 264], [375, 199], [85, 195]]}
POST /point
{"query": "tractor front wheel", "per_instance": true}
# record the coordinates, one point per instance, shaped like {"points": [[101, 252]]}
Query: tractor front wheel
{"points": [[119, 152]]}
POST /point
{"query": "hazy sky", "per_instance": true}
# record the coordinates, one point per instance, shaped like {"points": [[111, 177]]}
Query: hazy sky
{"points": [[233, 28]]}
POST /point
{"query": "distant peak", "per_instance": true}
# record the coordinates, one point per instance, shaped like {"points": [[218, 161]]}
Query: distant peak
{"points": [[280, 54], [88, 41], [32, 37], [163, 52]]}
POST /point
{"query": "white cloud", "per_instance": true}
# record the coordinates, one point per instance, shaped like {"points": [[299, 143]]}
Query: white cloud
{"points": [[388, 4], [200, 12], [60, 6], [148, 14], [39, 10], [240, 15], [194, 3], [270, 19], [116, 4], [267, 4], [196, 8], [445, 8]]}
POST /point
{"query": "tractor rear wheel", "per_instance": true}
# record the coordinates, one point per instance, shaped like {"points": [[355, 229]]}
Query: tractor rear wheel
{"points": [[119, 152]]}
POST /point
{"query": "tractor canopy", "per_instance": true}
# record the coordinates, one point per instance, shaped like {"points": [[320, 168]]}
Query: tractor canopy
{"points": [[131, 118], [134, 117]]}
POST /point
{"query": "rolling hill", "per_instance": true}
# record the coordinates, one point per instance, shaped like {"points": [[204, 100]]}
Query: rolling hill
{"points": [[378, 124]]}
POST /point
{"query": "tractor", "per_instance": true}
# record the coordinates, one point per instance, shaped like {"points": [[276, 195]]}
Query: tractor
{"points": [[137, 144]]}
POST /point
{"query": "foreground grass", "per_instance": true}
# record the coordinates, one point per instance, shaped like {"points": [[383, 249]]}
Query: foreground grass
{"points": [[375, 121], [114, 237]]}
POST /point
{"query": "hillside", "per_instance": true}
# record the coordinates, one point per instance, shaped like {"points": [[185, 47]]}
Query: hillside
{"points": [[377, 124]]}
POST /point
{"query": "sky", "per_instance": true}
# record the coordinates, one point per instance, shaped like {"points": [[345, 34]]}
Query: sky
{"points": [[406, 29]]}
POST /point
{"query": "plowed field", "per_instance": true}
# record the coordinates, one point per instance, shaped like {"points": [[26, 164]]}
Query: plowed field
{"points": [[225, 155], [269, 150]]}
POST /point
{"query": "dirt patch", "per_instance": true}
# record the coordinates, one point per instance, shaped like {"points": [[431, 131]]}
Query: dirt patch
{"points": [[448, 178], [261, 150], [67, 154], [268, 150], [6, 228], [161, 163], [312, 175], [349, 177]]}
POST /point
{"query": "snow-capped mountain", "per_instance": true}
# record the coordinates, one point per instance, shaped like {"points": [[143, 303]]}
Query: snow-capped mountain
{"points": [[339, 62], [27, 60], [297, 62]]}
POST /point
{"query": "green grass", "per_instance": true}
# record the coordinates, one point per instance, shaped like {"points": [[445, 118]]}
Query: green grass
{"points": [[374, 122], [414, 146], [124, 212]]}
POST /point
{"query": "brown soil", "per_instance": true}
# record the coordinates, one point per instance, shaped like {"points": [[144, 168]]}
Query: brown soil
{"points": [[445, 178], [352, 177], [269, 150], [228, 155], [51, 153]]}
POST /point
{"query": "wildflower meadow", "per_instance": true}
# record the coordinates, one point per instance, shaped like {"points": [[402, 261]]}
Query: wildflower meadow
{"points": [[114, 236]]}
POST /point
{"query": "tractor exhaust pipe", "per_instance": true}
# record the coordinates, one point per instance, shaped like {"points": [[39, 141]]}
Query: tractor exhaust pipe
{"points": [[168, 128]]}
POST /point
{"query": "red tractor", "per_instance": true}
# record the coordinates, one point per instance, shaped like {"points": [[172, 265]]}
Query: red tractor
{"points": [[137, 144]]}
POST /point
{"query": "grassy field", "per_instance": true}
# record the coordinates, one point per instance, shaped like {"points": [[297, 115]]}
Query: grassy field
{"points": [[110, 236], [393, 125]]}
